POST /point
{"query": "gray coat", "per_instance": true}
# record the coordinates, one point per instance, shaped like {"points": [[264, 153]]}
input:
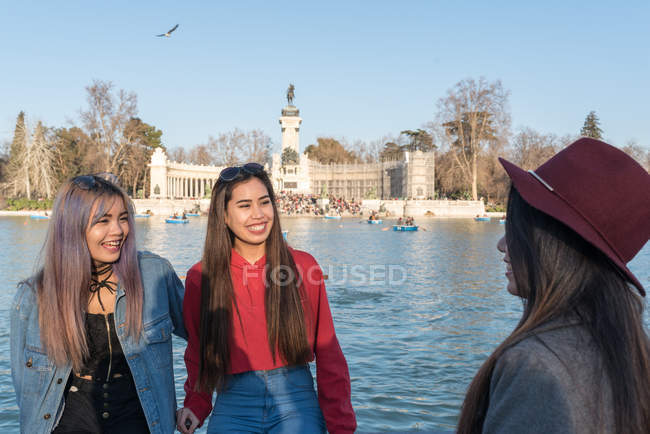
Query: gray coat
{"points": [[551, 382]]}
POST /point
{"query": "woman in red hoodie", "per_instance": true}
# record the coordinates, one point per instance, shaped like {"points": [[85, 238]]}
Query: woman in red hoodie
{"points": [[256, 313]]}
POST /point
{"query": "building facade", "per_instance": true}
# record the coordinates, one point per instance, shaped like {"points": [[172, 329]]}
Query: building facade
{"points": [[411, 176]]}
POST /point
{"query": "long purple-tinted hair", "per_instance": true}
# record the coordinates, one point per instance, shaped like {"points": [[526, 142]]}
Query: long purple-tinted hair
{"points": [[62, 282]]}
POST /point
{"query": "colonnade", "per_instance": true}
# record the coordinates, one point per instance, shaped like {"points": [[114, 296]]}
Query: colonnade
{"points": [[188, 187]]}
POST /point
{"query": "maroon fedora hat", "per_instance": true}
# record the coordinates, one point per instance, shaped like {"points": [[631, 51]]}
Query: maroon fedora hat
{"points": [[598, 191]]}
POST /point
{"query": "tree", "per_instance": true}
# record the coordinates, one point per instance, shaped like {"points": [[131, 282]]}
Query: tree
{"points": [[473, 114], [635, 151], [32, 171], [108, 115], [591, 127], [239, 147], [391, 151], [289, 157], [140, 140], [420, 140], [178, 155], [40, 162], [74, 154], [531, 149], [200, 154], [17, 149], [330, 151]]}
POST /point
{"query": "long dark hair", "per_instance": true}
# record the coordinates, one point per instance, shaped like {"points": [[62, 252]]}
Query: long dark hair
{"points": [[285, 313], [558, 273], [62, 282]]}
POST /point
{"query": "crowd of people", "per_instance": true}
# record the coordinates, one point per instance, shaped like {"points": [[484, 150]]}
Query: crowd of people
{"points": [[308, 204]]}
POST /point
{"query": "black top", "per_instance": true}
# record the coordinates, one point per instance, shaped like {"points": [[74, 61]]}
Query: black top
{"points": [[105, 355]]}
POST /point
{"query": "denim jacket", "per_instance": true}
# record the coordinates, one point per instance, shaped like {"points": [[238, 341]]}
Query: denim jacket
{"points": [[40, 384]]}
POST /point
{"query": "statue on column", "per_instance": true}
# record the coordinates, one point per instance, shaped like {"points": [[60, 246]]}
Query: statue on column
{"points": [[290, 94]]}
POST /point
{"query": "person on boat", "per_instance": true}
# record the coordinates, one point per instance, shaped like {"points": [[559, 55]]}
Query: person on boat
{"points": [[578, 361], [400, 221], [91, 331], [175, 215], [184, 217], [256, 312]]}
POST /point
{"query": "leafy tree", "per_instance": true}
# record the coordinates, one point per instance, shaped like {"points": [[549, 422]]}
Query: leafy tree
{"points": [[289, 157], [420, 141], [473, 114], [74, 154], [330, 151], [391, 151], [16, 150], [140, 140], [591, 127]]}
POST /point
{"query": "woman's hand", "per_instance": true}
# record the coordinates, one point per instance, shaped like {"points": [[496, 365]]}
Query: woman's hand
{"points": [[186, 421]]}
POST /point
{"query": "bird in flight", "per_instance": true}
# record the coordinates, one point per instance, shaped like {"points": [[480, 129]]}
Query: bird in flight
{"points": [[169, 32]]}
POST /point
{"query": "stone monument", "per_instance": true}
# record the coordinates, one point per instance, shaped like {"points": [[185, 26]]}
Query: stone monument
{"points": [[290, 122]]}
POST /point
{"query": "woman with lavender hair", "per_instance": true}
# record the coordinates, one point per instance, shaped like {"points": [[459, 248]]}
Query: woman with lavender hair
{"points": [[91, 330]]}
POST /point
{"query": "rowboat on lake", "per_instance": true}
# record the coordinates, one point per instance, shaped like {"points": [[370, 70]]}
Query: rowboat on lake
{"points": [[375, 222], [177, 220], [405, 228]]}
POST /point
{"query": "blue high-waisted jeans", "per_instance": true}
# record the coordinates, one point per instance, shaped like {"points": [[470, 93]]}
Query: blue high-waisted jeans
{"points": [[278, 401]]}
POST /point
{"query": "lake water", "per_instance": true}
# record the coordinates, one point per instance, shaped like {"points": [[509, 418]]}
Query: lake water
{"points": [[416, 313]]}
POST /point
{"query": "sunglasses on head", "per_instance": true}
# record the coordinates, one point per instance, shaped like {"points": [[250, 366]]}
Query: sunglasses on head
{"points": [[230, 173], [88, 182], [85, 182]]}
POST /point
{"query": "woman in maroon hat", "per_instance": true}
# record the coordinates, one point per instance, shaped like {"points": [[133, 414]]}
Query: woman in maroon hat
{"points": [[579, 359]]}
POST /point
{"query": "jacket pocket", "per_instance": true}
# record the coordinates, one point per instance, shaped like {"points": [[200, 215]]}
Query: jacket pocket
{"points": [[158, 336], [37, 373]]}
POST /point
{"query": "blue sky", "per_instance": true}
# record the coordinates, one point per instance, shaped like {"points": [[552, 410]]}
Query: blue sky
{"points": [[362, 69]]}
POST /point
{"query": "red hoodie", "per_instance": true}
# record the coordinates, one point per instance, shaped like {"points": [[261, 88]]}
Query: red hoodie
{"points": [[249, 347]]}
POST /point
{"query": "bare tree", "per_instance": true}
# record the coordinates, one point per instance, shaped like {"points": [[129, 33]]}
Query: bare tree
{"points": [[642, 156], [35, 172], [200, 154], [238, 147], [258, 147], [228, 148], [108, 114], [178, 154], [473, 114], [531, 148]]}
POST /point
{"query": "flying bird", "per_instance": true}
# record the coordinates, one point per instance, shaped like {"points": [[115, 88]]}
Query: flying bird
{"points": [[169, 32]]}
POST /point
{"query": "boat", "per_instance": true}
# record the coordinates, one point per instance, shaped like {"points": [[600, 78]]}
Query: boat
{"points": [[332, 217], [39, 217], [375, 222], [176, 220], [285, 234], [482, 219], [192, 214], [405, 228], [502, 221], [142, 216]]}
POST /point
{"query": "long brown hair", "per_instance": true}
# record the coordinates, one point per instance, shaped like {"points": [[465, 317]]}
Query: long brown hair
{"points": [[285, 313], [558, 273], [62, 282]]}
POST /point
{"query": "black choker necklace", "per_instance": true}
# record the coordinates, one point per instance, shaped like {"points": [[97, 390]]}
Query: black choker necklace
{"points": [[96, 285]]}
